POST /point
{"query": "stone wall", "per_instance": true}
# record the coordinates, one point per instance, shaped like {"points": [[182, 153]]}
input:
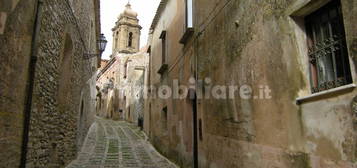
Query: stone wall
{"points": [[251, 43], [62, 88], [16, 29]]}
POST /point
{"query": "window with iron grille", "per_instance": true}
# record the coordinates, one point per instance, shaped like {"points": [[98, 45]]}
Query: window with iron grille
{"points": [[328, 57]]}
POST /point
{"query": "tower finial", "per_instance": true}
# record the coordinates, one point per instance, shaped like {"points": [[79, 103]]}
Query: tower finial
{"points": [[128, 5]]}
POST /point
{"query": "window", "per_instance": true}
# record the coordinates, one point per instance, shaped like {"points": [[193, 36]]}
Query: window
{"points": [[164, 118], [149, 74], [149, 51], [100, 102], [164, 65], [200, 129], [82, 109], [116, 42], [189, 13], [328, 57], [126, 69], [164, 51], [130, 41], [188, 21], [163, 46]]}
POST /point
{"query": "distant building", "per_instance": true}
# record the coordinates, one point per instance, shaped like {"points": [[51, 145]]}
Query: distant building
{"points": [[103, 63], [117, 80], [126, 32]]}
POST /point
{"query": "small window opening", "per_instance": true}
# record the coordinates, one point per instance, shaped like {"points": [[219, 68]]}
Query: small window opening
{"points": [[130, 43]]}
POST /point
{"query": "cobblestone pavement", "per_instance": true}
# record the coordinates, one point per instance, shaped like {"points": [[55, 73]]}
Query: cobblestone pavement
{"points": [[118, 144]]}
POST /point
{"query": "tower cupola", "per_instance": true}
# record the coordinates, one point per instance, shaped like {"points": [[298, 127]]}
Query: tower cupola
{"points": [[127, 31]]}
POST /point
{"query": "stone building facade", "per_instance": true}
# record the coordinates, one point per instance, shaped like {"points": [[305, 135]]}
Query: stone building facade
{"points": [[131, 85], [119, 81], [106, 79], [47, 88], [304, 51]]}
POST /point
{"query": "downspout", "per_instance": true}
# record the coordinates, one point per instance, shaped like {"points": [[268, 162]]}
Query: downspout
{"points": [[197, 97], [30, 84], [196, 105]]}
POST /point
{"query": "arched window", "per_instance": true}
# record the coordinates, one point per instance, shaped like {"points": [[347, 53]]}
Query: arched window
{"points": [[116, 40], [125, 70], [130, 41]]}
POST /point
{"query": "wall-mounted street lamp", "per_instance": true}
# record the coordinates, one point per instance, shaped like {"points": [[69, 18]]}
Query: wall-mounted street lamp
{"points": [[102, 44]]}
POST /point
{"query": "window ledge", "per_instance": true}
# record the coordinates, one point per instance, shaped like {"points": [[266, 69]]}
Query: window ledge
{"points": [[163, 34], [188, 33], [163, 68], [327, 93]]}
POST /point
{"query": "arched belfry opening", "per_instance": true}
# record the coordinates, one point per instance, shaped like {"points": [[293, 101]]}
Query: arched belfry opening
{"points": [[130, 40]]}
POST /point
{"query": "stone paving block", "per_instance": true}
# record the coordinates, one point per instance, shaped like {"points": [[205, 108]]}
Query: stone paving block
{"points": [[117, 144]]}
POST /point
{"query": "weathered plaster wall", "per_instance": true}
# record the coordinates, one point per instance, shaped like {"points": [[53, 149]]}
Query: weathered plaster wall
{"points": [[172, 136], [257, 46], [254, 43]]}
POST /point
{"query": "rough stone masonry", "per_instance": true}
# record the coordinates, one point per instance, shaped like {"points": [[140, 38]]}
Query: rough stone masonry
{"points": [[46, 106]]}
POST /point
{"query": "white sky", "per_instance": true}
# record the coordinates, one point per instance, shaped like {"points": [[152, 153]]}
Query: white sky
{"points": [[111, 9]]}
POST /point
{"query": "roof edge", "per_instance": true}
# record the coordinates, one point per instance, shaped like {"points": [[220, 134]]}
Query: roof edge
{"points": [[159, 11]]}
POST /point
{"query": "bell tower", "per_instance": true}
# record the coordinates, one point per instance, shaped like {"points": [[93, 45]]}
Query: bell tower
{"points": [[126, 33]]}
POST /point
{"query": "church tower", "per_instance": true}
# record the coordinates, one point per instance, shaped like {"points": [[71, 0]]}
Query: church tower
{"points": [[126, 33]]}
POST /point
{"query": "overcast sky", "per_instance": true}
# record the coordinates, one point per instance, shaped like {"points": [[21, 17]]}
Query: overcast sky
{"points": [[111, 9]]}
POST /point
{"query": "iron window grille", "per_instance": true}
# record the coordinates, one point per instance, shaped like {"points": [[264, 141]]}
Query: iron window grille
{"points": [[328, 57]]}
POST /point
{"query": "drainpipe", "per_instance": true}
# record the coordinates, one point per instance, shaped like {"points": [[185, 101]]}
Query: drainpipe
{"points": [[196, 100], [30, 84]]}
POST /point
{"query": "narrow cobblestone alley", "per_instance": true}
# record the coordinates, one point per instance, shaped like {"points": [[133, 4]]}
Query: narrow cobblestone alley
{"points": [[111, 144]]}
